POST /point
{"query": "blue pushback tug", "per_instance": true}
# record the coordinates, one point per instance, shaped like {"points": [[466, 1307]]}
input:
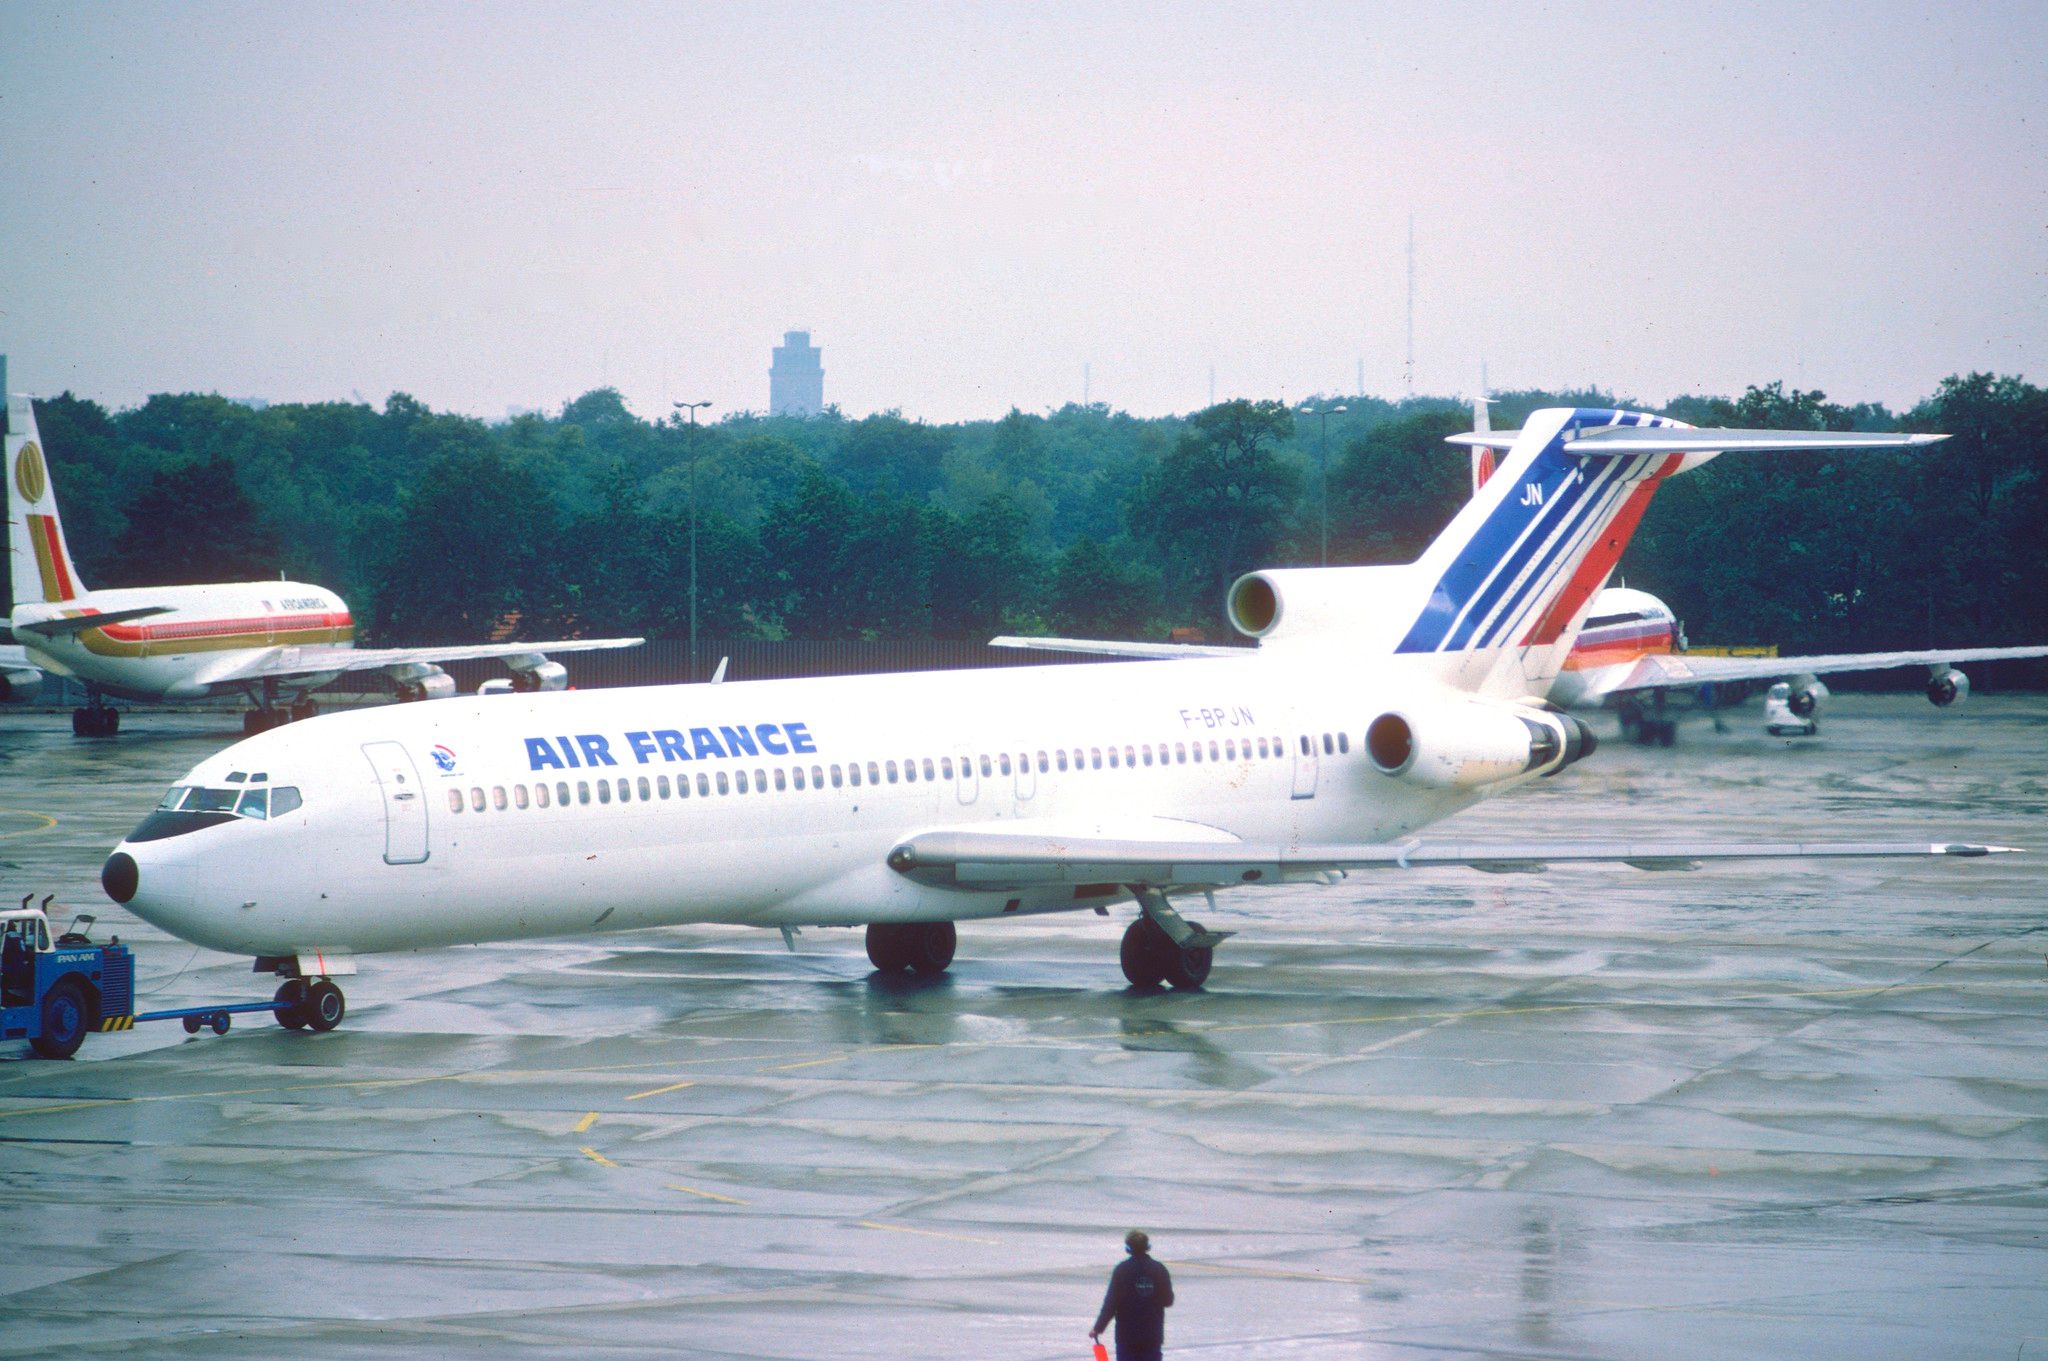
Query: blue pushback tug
{"points": [[51, 994]]}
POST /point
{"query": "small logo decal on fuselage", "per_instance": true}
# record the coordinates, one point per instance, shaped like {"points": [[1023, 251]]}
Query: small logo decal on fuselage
{"points": [[444, 758]]}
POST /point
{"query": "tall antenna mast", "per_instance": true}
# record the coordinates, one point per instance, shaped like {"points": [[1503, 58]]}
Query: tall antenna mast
{"points": [[1408, 371], [1087, 382]]}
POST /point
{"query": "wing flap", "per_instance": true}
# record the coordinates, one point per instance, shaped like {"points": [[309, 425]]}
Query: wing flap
{"points": [[977, 859]]}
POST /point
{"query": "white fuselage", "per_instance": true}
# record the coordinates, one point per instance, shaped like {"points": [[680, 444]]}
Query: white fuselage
{"points": [[374, 856], [206, 632]]}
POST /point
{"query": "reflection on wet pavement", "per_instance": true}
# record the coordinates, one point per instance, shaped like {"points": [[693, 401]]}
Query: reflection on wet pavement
{"points": [[1595, 1113]]}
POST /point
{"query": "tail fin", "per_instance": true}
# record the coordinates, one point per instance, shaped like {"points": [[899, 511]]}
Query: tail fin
{"points": [[39, 564], [1513, 573], [1483, 455]]}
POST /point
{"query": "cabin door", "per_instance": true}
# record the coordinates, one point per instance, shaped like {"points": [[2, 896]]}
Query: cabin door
{"points": [[405, 803], [1305, 765]]}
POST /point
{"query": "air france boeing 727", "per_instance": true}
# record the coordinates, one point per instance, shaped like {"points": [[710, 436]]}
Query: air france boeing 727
{"points": [[1381, 700]]}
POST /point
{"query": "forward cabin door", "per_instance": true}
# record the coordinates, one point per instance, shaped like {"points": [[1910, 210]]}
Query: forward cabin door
{"points": [[1305, 764], [405, 803]]}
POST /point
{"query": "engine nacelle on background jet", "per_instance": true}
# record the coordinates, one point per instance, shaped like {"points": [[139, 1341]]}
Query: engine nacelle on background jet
{"points": [[420, 680], [1464, 746], [1948, 687], [20, 685], [540, 676], [1792, 708]]}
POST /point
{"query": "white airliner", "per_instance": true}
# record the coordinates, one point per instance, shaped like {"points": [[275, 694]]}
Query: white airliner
{"points": [[1382, 699], [156, 643]]}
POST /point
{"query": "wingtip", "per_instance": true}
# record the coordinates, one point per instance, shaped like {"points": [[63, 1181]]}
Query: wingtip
{"points": [[1964, 849]]}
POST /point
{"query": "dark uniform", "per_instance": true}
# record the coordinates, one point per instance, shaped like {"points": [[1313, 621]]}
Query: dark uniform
{"points": [[1140, 1293]]}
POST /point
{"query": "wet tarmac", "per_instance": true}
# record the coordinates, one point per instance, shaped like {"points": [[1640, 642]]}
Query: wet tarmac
{"points": [[1592, 1113]]}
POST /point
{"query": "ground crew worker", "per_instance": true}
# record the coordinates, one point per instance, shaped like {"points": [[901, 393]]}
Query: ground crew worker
{"points": [[1140, 1293]]}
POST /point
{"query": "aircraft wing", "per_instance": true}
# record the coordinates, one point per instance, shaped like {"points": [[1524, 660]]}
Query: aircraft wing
{"points": [[972, 858], [280, 662], [1680, 671], [1624, 440], [1104, 647]]}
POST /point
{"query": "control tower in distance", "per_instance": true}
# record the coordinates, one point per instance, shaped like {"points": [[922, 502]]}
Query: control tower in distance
{"points": [[796, 381]]}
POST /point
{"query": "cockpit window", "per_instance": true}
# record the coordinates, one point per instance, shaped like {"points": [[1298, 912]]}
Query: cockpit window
{"points": [[187, 808]]}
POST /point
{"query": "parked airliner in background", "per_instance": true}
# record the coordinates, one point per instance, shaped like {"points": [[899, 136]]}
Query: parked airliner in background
{"points": [[1630, 655], [1382, 699], [156, 643]]}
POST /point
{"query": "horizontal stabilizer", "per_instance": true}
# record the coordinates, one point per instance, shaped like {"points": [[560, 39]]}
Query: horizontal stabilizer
{"points": [[1628, 440], [79, 623], [1103, 647], [973, 859]]}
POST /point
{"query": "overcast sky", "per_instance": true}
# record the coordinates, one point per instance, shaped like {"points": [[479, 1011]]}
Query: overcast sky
{"points": [[505, 205]]}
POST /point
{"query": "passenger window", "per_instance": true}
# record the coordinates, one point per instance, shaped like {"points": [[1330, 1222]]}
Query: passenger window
{"points": [[986, 767], [1095, 757], [1262, 748], [797, 775], [284, 799], [760, 781], [254, 804], [455, 801], [519, 795], [723, 786], [498, 800], [1212, 751], [739, 782], [892, 772], [853, 773], [1130, 757], [928, 774], [476, 798], [704, 786], [582, 791], [836, 780], [647, 791], [874, 773], [1230, 749], [782, 779], [1148, 754], [1003, 762], [1043, 764], [604, 791], [946, 766], [1329, 745], [661, 785], [817, 777], [1060, 759], [1344, 743], [910, 770], [1180, 753], [540, 796], [562, 793]]}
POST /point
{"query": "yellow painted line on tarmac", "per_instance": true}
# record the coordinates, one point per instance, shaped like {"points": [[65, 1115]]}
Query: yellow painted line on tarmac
{"points": [[48, 822], [707, 1195], [658, 1091], [842, 1058], [929, 1233], [597, 1157], [585, 1123]]}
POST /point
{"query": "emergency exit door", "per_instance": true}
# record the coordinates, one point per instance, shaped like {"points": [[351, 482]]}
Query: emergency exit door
{"points": [[405, 803], [1305, 766]]}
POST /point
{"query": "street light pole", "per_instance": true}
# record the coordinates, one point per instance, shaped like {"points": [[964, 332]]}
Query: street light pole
{"points": [[1323, 473], [691, 407]]}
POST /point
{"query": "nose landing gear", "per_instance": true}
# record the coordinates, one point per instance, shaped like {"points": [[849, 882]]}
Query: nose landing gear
{"points": [[310, 1004]]}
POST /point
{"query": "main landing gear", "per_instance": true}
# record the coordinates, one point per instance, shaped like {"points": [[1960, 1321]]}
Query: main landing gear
{"points": [[1163, 947], [310, 1004], [924, 948], [97, 719], [269, 714]]}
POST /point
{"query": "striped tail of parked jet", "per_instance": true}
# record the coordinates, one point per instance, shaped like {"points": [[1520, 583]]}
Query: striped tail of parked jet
{"points": [[1380, 701], [157, 643], [1630, 656]]}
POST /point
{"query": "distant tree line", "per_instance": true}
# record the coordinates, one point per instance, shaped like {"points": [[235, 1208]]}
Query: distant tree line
{"points": [[1081, 520]]}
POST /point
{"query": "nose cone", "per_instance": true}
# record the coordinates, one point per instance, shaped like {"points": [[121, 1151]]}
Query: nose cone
{"points": [[120, 877]]}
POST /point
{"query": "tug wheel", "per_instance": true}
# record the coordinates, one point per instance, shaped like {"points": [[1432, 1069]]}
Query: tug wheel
{"points": [[66, 1017]]}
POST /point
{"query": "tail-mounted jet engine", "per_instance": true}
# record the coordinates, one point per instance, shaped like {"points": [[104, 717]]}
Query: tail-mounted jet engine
{"points": [[1948, 687], [1465, 745], [421, 680]]}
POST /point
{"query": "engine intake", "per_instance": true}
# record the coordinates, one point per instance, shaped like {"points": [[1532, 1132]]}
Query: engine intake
{"points": [[540, 676], [420, 680], [1463, 746], [1950, 687]]}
